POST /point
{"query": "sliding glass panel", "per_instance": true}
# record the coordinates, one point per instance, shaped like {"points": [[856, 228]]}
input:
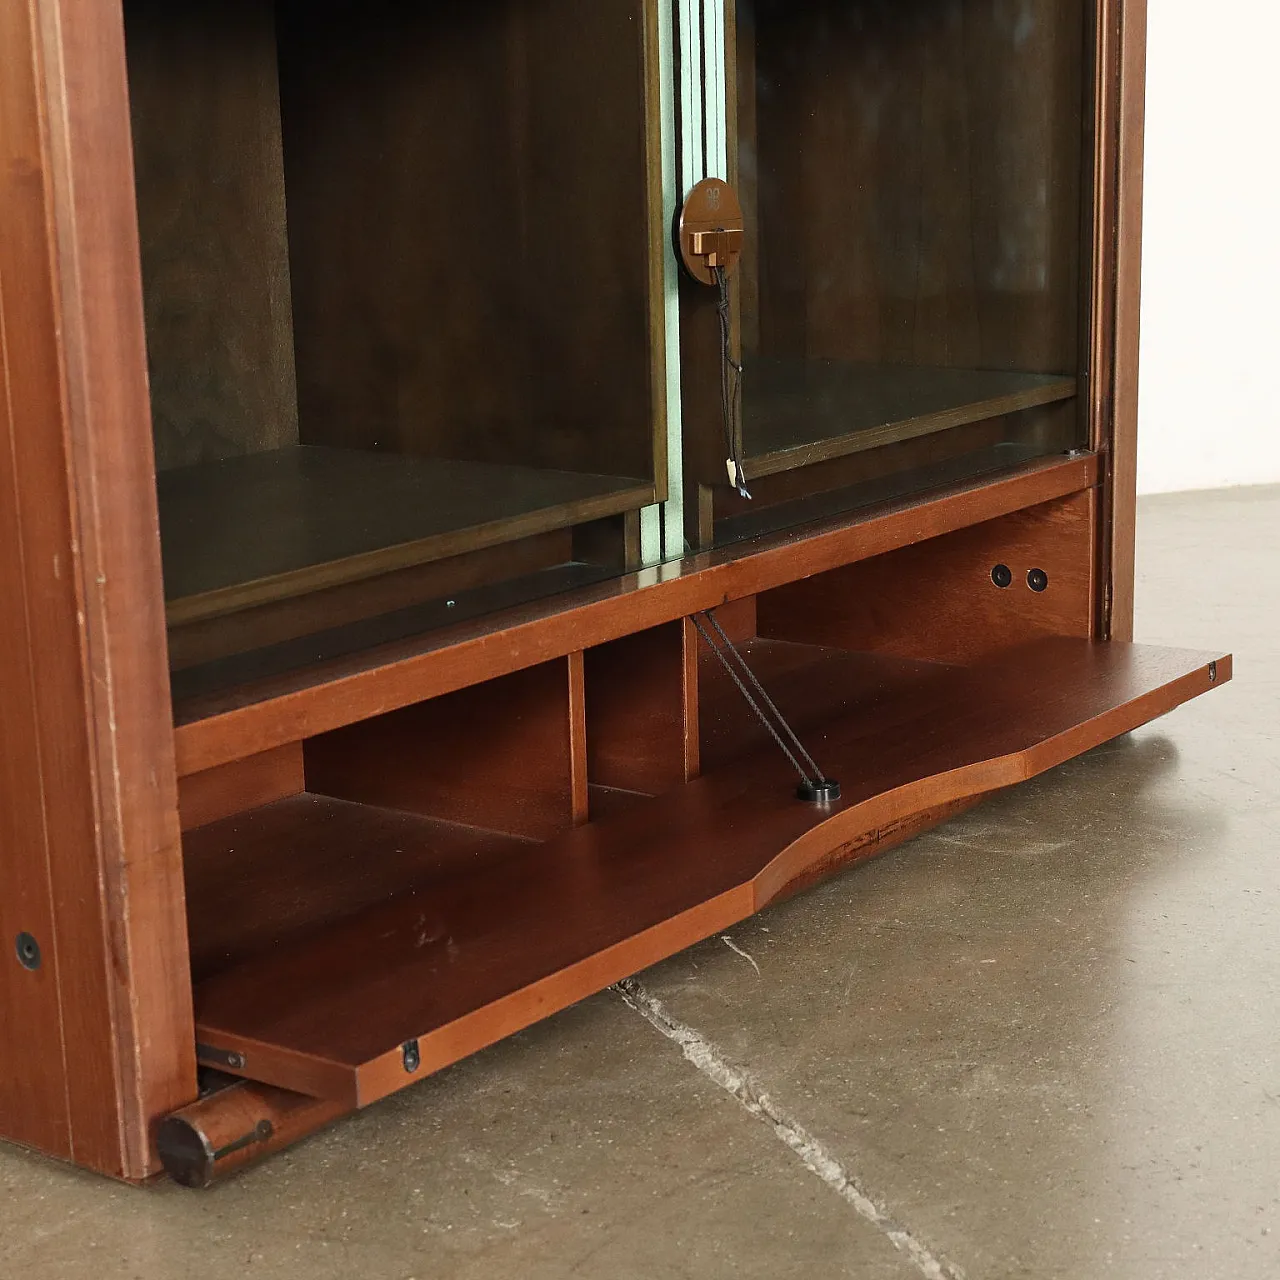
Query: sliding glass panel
{"points": [[403, 280], [909, 304]]}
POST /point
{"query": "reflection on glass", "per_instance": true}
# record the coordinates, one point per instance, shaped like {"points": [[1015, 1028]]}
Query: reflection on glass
{"points": [[910, 301], [400, 329]]}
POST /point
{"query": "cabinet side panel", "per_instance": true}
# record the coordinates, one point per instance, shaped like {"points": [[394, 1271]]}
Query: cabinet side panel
{"points": [[33, 1103], [1119, 120], [1124, 434], [115, 855]]}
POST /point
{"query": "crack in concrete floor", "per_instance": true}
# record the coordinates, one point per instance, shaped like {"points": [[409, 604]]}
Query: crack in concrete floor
{"points": [[813, 1153]]}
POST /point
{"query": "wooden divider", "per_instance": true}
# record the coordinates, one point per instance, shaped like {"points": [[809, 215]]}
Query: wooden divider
{"points": [[242, 784], [498, 756], [642, 710]]}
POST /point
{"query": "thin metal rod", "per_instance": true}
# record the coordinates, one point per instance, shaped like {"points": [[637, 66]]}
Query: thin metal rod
{"points": [[722, 652], [764, 694], [752, 703]]}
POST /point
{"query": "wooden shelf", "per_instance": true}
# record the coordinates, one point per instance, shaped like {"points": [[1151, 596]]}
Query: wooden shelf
{"points": [[311, 861], [814, 685], [226, 724], [269, 526], [799, 412], [485, 937]]}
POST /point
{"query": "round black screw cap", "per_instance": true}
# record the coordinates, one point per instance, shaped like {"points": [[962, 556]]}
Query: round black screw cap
{"points": [[28, 950], [1002, 576], [1038, 580]]}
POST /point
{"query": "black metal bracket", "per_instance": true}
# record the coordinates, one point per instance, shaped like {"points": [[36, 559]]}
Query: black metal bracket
{"points": [[228, 1058]]}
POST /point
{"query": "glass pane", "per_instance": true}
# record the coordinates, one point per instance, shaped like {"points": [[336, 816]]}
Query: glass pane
{"points": [[397, 263], [910, 302]]}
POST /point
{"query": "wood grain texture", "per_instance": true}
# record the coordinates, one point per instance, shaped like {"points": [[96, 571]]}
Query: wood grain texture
{"points": [[497, 755], [1129, 115], [271, 526], [229, 635], [88, 518], [243, 784], [579, 772], [800, 412], [484, 954], [311, 861], [641, 712], [533, 280], [936, 600], [221, 727], [914, 180], [899, 466], [920, 181], [205, 102], [33, 1069], [812, 683], [97, 1045]]}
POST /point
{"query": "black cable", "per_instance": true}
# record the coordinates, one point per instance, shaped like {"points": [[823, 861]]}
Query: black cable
{"points": [[730, 388]]}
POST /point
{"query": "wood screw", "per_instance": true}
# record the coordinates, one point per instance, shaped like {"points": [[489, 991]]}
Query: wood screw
{"points": [[28, 952]]}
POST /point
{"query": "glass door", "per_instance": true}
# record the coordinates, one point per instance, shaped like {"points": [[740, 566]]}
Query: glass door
{"points": [[909, 304], [402, 269]]}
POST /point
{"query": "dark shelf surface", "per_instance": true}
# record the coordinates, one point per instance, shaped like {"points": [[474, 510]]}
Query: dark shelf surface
{"points": [[798, 412], [327, 859], [483, 937], [271, 525], [816, 687]]}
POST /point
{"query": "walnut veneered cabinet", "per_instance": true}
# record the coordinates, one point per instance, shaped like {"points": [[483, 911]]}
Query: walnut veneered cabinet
{"points": [[449, 448]]}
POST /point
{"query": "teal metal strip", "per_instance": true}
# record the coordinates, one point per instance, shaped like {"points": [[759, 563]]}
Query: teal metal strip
{"points": [[691, 71], [672, 198], [717, 106]]}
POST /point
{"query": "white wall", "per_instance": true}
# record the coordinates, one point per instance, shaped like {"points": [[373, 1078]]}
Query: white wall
{"points": [[1210, 388]]}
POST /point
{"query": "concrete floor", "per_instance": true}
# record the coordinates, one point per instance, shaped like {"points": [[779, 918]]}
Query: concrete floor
{"points": [[1042, 1041]]}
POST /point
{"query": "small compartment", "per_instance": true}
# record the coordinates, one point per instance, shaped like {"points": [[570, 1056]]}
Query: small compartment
{"points": [[285, 842], [344, 951], [458, 869], [642, 715], [507, 755], [398, 267], [911, 300]]}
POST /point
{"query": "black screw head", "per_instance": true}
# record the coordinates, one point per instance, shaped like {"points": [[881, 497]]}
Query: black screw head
{"points": [[1038, 580], [1002, 576], [28, 950]]}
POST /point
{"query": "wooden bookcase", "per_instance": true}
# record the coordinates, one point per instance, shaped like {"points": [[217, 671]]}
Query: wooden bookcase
{"points": [[362, 509]]}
